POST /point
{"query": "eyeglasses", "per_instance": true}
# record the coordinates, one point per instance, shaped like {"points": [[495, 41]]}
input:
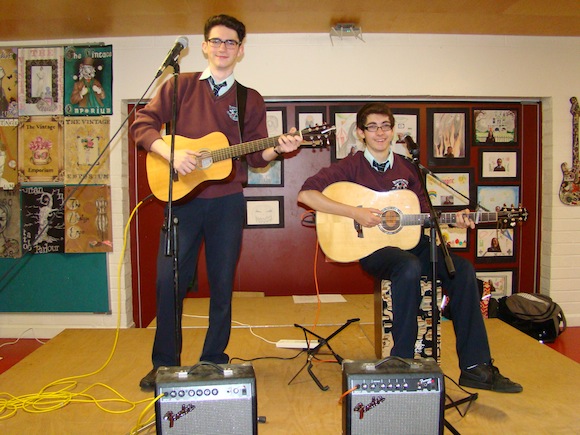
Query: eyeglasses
{"points": [[217, 42], [373, 128]]}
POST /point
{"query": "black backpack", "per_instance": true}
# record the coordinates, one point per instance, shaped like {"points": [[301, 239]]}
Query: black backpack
{"points": [[535, 314]]}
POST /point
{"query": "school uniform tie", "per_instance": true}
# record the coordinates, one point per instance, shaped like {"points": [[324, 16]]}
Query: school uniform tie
{"points": [[216, 88], [379, 166]]}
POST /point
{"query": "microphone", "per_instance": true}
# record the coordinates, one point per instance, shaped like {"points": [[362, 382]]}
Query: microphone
{"points": [[412, 147], [181, 43]]}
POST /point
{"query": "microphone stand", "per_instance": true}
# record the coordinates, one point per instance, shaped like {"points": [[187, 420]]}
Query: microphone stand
{"points": [[171, 222], [435, 230]]}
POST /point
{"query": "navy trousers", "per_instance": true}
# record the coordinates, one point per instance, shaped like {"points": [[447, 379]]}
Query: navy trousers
{"points": [[404, 269], [219, 223]]}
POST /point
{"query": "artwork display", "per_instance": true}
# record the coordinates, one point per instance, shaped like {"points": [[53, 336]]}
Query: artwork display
{"points": [[87, 158], [8, 83], [88, 224], [450, 189], [88, 80], [43, 219], [8, 153], [495, 126], [500, 282], [10, 229], [40, 146], [40, 81], [447, 130], [264, 212]]}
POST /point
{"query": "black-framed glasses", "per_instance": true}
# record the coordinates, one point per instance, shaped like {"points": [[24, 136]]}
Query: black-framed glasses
{"points": [[217, 42], [374, 127]]}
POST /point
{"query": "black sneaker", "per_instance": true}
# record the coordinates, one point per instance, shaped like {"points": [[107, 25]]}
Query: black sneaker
{"points": [[148, 382], [487, 377]]}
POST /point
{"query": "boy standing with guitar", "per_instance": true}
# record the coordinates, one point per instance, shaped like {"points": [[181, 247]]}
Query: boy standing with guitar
{"points": [[207, 102], [381, 170]]}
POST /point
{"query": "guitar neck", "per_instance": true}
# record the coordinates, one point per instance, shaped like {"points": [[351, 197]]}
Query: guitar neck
{"points": [[449, 218], [245, 148]]}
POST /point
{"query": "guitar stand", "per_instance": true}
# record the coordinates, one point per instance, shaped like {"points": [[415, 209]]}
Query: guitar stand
{"points": [[311, 353]]}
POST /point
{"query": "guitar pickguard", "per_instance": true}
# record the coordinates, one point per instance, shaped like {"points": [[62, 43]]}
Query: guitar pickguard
{"points": [[570, 187]]}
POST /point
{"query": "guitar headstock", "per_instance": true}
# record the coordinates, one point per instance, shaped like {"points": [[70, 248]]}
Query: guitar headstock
{"points": [[511, 216], [317, 135]]}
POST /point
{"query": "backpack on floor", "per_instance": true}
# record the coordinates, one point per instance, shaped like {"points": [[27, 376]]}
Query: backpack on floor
{"points": [[535, 314]]}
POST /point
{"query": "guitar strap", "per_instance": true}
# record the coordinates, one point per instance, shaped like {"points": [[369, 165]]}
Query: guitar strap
{"points": [[242, 97]]}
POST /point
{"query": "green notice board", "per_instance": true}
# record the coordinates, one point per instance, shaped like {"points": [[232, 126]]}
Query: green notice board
{"points": [[54, 283]]}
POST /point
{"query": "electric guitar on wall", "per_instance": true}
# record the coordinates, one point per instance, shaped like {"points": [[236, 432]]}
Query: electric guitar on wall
{"points": [[570, 187], [215, 162], [344, 240]]}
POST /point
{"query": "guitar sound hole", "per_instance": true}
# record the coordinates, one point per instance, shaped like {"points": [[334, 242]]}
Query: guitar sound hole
{"points": [[205, 160], [391, 221]]}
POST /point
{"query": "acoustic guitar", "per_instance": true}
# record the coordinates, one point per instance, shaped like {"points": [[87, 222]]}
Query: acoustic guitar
{"points": [[215, 162], [344, 240]]}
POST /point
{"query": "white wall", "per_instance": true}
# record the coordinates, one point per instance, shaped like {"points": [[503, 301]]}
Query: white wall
{"points": [[386, 65]]}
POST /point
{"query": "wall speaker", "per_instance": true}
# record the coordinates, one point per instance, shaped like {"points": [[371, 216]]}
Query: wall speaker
{"points": [[206, 399], [393, 395]]}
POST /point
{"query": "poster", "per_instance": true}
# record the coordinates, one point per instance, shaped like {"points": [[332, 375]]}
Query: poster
{"points": [[42, 219], [86, 152], [40, 156], [88, 80], [88, 219], [10, 231], [8, 83], [8, 153], [40, 81]]}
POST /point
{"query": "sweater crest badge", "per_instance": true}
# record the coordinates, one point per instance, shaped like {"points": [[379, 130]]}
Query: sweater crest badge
{"points": [[233, 113], [401, 183]]}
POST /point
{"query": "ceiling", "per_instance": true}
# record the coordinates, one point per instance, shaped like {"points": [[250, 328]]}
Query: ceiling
{"points": [[69, 19]]}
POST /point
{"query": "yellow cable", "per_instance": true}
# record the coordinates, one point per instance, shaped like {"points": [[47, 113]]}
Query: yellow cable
{"points": [[62, 390]]}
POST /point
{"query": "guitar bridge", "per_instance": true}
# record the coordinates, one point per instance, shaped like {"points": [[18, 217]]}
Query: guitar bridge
{"points": [[358, 228], [359, 231]]}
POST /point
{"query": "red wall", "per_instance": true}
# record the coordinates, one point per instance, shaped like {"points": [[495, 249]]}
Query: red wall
{"points": [[281, 261]]}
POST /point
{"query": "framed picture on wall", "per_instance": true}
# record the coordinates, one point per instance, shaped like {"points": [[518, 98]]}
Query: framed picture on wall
{"points": [[307, 117], [499, 165], [495, 245], [406, 124], [491, 197], [346, 138], [501, 282], [456, 238], [498, 126], [264, 212], [447, 131], [451, 189], [272, 175], [276, 121]]}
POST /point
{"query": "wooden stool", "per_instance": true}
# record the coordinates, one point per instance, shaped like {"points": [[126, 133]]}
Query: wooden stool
{"points": [[384, 321]]}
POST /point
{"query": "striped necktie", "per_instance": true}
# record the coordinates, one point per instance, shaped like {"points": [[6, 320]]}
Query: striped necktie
{"points": [[379, 166], [216, 88]]}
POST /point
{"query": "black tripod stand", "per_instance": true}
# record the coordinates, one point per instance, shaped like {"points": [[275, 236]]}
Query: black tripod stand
{"points": [[311, 353]]}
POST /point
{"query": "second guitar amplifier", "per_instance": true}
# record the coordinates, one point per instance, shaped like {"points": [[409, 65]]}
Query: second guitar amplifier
{"points": [[206, 399], [394, 396]]}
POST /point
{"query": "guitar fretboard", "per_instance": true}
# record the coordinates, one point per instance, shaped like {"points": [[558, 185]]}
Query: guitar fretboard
{"points": [[449, 218], [245, 148]]}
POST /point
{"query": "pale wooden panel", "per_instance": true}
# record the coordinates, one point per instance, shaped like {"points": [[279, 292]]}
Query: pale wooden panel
{"points": [[53, 19]]}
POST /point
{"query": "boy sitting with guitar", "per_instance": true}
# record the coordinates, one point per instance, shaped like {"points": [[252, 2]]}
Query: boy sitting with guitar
{"points": [[381, 170]]}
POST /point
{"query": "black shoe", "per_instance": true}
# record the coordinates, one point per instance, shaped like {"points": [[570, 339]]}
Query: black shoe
{"points": [[487, 377], [148, 382]]}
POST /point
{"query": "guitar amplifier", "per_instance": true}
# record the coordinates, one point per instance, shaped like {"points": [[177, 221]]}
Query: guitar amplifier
{"points": [[393, 395], [206, 399]]}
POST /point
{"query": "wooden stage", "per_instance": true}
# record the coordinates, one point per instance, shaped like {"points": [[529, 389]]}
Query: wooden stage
{"points": [[548, 404]]}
